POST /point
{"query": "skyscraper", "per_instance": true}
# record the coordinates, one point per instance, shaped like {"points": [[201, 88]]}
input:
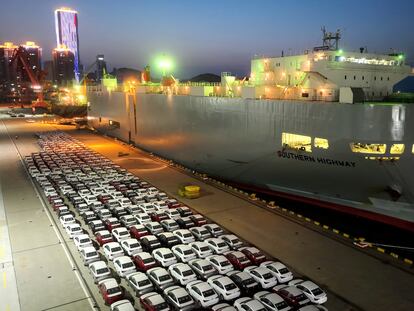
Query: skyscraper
{"points": [[63, 66], [100, 67], [66, 22]]}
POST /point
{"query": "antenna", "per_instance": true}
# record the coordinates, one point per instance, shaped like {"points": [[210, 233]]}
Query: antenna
{"points": [[330, 40]]}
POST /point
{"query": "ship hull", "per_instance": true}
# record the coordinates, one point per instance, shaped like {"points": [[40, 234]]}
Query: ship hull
{"points": [[240, 140]]}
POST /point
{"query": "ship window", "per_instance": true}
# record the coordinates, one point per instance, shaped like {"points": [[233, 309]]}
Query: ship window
{"points": [[368, 148], [321, 143], [397, 149], [375, 78], [412, 150], [345, 77], [388, 78], [363, 78], [381, 78], [354, 77], [298, 142]]}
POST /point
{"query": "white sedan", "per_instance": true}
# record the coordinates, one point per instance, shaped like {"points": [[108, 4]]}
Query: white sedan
{"points": [[67, 219], [311, 290], [221, 263], [279, 270], [164, 256], [113, 250], [184, 235], [82, 240], [262, 275], [182, 273], [183, 252], [217, 245], [203, 293], [246, 303], [124, 266], [120, 234], [201, 249], [224, 287], [73, 229], [131, 246]]}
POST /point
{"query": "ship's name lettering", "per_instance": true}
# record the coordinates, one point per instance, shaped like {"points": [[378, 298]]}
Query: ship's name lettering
{"points": [[308, 158]]}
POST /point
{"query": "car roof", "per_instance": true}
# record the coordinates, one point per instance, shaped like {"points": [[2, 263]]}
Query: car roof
{"points": [[309, 285], [109, 283], [223, 279], [99, 264], [156, 299], [144, 255], [112, 244], [123, 259], [292, 290]]}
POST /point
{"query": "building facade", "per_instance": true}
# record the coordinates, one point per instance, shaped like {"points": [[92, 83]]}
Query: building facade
{"points": [[63, 66], [66, 23]]}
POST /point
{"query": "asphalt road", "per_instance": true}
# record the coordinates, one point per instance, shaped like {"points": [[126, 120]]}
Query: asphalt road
{"points": [[45, 278]]}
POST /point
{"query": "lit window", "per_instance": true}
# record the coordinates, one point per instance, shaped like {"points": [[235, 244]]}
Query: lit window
{"points": [[397, 149], [368, 148], [298, 142], [412, 150], [321, 143]]}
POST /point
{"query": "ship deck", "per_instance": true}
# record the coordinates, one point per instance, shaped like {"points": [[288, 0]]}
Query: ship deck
{"points": [[38, 272]]}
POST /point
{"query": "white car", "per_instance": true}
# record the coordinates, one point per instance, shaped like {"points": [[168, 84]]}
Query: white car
{"points": [[164, 256], [99, 271], [214, 229], [67, 219], [154, 227], [262, 275], [223, 307], [179, 298], [201, 249], [160, 206], [131, 246], [248, 304], [82, 240], [200, 233], [183, 252], [184, 236], [169, 225], [202, 268], [122, 305], [120, 234], [112, 250], [89, 255], [217, 245], [272, 301], [311, 290], [232, 241], [124, 266], [172, 213], [220, 263], [203, 293], [147, 207], [279, 270], [128, 221], [225, 288], [140, 283], [182, 273], [160, 278], [73, 229]]}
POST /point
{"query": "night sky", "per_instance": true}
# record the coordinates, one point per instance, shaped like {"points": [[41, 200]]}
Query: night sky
{"points": [[211, 35]]}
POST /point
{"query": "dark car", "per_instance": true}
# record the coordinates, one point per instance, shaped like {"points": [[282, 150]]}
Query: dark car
{"points": [[248, 286], [238, 260], [255, 255], [138, 231], [144, 261], [158, 216], [96, 225], [292, 295], [149, 243], [184, 211], [167, 239], [88, 216], [185, 222]]}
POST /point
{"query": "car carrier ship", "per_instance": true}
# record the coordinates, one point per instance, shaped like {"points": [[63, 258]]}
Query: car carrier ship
{"points": [[312, 127]]}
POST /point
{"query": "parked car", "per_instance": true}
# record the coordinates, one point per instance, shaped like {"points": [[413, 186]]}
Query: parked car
{"points": [[255, 255], [198, 219], [138, 231], [96, 225], [124, 266], [164, 256], [149, 243], [112, 250], [201, 249], [217, 245], [248, 304], [183, 252], [127, 221], [179, 298], [131, 246], [167, 239], [73, 229], [160, 278], [103, 237], [232, 241], [220, 263], [154, 227], [110, 290], [244, 282], [202, 268], [144, 261], [292, 295], [202, 293], [311, 290], [120, 234], [214, 229], [154, 302], [272, 301], [112, 223], [122, 305], [225, 288], [82, 240], [184, 222], [89, 255], [200, 234], [99, 271], [140, 283], [182, 273], [262, 275], [279, 270], [238, 259], [184, 235], [169, 225]]}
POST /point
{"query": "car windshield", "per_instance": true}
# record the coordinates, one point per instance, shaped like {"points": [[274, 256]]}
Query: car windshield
{"points": [[143, 283], [207, 267], [203, 232], [204, 249], [224, 263], [102, 271], [187, 235], [188, 252], [281, 305], [248, 281], [168, 255], [161, 306], [127, 265], [113, 290], [267, 276], [230, 286], [135, 245], [86, 240], [187, 273], [106, 236], [283, 270], [123, 233], [164, 278], [221, 244], [208, 293], [184, 299], [116, 249], [257, 254], [300, 297], [90, 254], [216, 229], [148, 260], [317, 291]]}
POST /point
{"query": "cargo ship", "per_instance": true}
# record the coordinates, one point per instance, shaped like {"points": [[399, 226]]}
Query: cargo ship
{"points": [[312, 127]]}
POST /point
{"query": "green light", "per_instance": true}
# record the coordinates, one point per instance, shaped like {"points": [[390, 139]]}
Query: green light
{"points": [[340, 51], [165, 64], [401, 56]]}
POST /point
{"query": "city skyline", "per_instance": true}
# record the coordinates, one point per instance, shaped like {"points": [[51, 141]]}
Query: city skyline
{"points": [[213, 36]]}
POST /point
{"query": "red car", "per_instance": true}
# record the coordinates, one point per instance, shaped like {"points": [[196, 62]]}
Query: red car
{"points": [[57, 206], [292, 295], [112, 223], [154, 302], [103, 237], [110, 290], [198, 220], [238, 260], [103, 198], [144, 261], [172, 203], [255, 255], [158, 216], [138, 231], [50, 198]]}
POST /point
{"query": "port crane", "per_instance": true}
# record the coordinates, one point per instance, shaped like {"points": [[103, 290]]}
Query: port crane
{"points": [[20, 54]]}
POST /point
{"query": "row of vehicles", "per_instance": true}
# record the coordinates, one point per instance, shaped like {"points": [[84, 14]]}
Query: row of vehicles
{"points": [[170, 257]]}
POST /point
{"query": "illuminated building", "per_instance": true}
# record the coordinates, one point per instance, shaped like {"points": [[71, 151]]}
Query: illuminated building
{"points": [[66, 23], [7, 74], [100, 67], [63, 66]]}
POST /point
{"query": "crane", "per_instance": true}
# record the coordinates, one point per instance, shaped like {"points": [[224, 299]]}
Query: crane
{"points": [[21, 54]]}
